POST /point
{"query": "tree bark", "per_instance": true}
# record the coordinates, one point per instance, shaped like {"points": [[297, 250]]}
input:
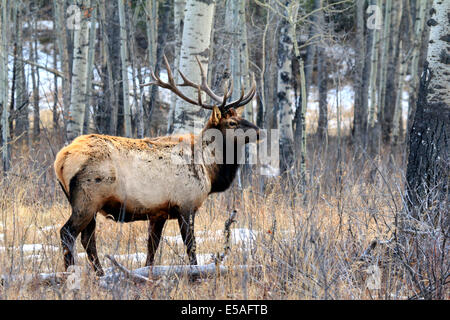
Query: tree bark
{"points": [[360, 104], [179, 7], [322, 126], [312, 48], [428, 161], [63, 51], [398, 101], [21, 96], [284, 85], [195, 42], [385, 47], [4, 85], [124, 68], [152, 12], [158, 110], [90, 66], [419, 24], [79, 74], [392, 73]]}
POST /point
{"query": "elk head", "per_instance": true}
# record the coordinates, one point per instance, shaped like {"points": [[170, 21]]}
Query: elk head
{"points": [[224, 116]]}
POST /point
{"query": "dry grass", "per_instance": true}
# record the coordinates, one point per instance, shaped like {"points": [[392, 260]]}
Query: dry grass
{"points": [[308, 244]]}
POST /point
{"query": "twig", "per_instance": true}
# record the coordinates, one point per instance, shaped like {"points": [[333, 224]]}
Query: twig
{"points": [[129, 274], [226, 248]]}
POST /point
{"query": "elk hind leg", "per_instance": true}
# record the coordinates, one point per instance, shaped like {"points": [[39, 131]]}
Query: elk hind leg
{"points": [[89, 244], [69, 232]]}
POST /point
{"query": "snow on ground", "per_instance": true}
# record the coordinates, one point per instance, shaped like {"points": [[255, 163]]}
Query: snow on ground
{"points": [[133, 257], [32, 248]]}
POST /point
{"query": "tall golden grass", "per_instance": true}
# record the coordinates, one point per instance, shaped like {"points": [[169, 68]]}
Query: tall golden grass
{"points": [[309, 244]]}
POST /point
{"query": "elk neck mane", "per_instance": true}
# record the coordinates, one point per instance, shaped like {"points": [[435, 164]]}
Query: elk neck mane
{"points": [[221, 174]]}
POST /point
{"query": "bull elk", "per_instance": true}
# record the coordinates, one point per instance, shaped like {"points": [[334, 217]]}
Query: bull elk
{"points": [[137, 179]]}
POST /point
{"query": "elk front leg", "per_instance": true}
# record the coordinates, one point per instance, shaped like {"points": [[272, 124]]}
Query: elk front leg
{"points": [[186, 223], [154, 236]]}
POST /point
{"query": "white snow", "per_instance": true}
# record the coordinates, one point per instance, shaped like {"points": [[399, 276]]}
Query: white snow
{"points": [[243, 235], [133, 257], [38, 247], [32, 248]]}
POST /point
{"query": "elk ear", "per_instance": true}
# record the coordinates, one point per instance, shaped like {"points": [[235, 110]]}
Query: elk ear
{"points": [[232, 113], [216, 116], [240, 111]]}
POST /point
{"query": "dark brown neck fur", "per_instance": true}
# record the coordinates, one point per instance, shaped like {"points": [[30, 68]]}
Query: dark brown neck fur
{"points": [[221, 174]]}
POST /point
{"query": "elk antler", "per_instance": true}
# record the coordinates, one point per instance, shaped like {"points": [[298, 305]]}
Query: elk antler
{"points": [[173, 87], [243, 100], [203, 86]]}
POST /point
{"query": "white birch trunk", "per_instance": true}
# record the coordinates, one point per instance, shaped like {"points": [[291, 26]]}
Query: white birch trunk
{"points": [[438, 55], [398, 102], [195, 42], [79, 74], [90, 65], [421, 6], [124, 62], [373, 75], [179, 7], [284, 87], [239, 52]]}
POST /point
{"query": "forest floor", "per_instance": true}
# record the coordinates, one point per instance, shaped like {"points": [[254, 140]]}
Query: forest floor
{"points": [[309, 244]]}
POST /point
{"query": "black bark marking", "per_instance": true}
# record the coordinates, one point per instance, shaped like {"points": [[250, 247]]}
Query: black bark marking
{"points": [[432, 23]]}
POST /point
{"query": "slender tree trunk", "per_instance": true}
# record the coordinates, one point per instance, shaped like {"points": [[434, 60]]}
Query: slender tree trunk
{"points": [[152, 10], [385, 46], [392, 73], [90, 67], [322, 77], [63, 50], [106, 112], [4, 25], [359, 105], [36, 82], [373, 75], [158, 110], [312, 48], [196, 41], [284, 85], [21, 96], [419, 24], [79, 74], [322, 126], [271, 74], [179, 7], [428, 161], [300, 132], [124, 67], [235, 18], [56, 91], [398, 101]]}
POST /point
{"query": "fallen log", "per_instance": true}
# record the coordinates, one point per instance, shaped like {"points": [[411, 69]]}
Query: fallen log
{"points": [[145, 274]]}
